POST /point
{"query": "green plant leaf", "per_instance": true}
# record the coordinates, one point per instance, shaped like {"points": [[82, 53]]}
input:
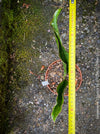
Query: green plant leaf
{"points": [[65, 69], [54, 20], [63, 54], [60, 99]]}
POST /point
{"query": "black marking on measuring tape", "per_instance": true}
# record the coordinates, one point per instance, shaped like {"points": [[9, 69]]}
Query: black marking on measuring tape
{"points": [[72, 1]]}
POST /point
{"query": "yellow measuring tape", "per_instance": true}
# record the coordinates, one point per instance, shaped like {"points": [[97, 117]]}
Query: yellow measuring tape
{"points": [[72, 43]]}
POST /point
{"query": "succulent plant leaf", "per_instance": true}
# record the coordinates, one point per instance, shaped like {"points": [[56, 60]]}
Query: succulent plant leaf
{"points": [[60, 99], [54, 20], [63, 54]]}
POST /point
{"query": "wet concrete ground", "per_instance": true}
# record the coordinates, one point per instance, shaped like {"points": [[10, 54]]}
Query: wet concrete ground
{"points": [[33, 103]]}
